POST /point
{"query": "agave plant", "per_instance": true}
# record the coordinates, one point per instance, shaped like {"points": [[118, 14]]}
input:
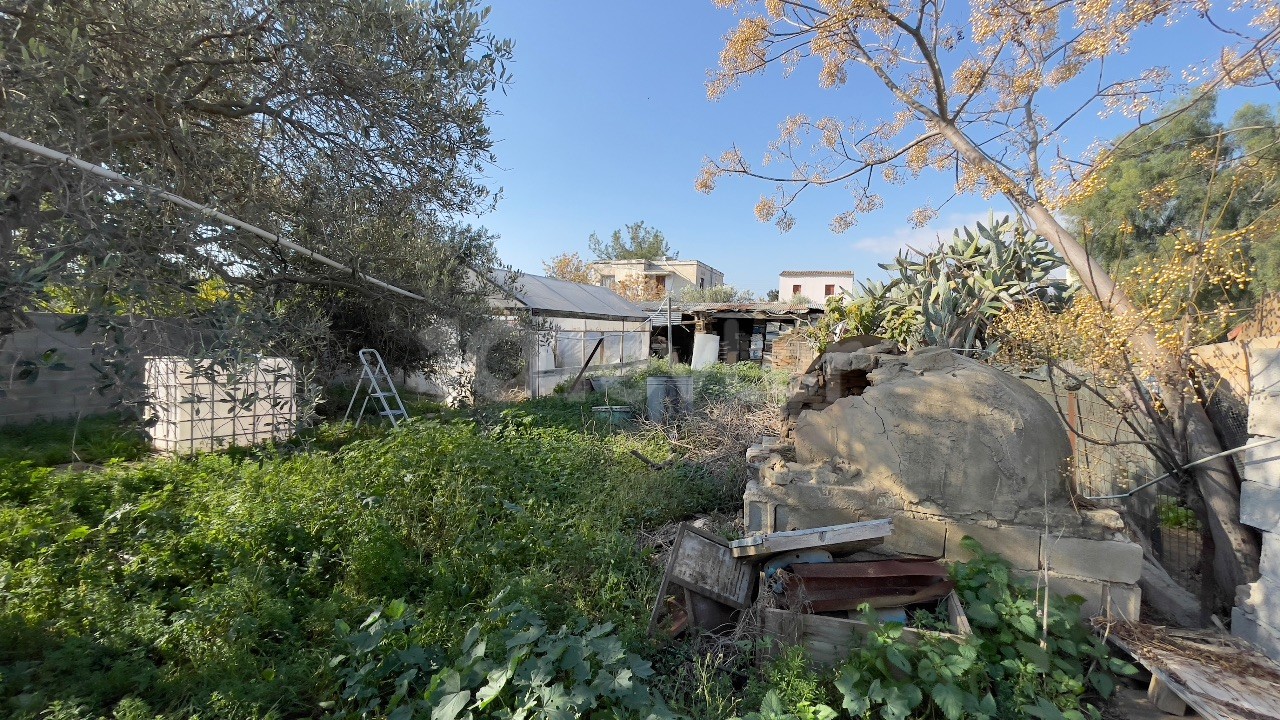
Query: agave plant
{"points": [[947, 296]]}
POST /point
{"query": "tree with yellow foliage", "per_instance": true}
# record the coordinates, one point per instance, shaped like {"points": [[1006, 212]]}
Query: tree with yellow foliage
{"points": [[969, 101], [571, 267]]}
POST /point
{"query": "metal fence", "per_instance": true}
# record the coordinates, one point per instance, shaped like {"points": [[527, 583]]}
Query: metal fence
{"points": [[1109, 457]]}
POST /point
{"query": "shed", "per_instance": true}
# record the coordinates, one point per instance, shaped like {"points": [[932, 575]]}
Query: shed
{"points": [[542, 332], [569, 319], [746, 331]]}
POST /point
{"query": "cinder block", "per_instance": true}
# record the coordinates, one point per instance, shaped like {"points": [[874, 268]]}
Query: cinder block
{"points": [[1262, 464], [1260, 506], [1094, 559], [1125, 602], [1264, 415], [756, 512], [1261, 599], [1264, 371], [1095, 593], [1247, 627], [1019, 545], [912, 536], [1269, 565]]}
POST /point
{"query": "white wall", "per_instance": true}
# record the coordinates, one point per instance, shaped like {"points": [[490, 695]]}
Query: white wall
{"points": [[813, 288], [553, 353], [564, 345]]}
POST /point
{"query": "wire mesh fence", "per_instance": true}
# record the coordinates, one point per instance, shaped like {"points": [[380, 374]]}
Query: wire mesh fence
{"points": [[1111, 457]]}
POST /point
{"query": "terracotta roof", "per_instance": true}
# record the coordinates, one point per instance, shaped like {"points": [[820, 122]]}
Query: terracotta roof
{"points": [[816, 273]]}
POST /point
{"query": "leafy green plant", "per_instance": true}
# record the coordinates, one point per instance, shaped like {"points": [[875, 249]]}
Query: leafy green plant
{"points": [[1175, 515], [208, 586], [55, 442], [509, 665], [1017, 663], [791, 689]]}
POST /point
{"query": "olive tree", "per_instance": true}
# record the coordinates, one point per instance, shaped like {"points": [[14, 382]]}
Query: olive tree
{"points": [[356, 128], [969, 99]]}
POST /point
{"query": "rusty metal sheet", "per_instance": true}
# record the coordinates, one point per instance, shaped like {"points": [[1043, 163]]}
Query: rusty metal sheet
{"points": [[845, 586]]}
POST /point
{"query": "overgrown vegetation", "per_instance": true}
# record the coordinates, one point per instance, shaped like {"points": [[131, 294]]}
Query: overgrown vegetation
{"points": [[1018, 664], [481, 565], [56, 442], [212, 587]]}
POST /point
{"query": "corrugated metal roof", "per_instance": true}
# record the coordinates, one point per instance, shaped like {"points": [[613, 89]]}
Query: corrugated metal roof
{"points": [[764, 307], [551, 296]]}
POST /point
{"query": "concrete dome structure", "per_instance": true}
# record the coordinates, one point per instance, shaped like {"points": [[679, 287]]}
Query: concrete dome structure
{"points": [[935, 430]]}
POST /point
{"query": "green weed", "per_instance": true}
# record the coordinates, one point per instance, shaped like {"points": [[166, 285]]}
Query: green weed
{"points": [[210, 586], [46, 443]]}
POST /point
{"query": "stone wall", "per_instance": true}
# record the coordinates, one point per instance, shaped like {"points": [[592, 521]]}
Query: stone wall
{"points": [[948, 448], [1256, 616], [54, 394], [792, 352], [73, 389]]}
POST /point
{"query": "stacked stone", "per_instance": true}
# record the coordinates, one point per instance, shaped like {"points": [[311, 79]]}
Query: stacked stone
{"points": [[1256, 616], [948, 447]]}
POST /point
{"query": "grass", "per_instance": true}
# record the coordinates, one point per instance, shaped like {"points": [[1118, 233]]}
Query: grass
{"points": [[228, 585], [211, 586], [47, 443]]}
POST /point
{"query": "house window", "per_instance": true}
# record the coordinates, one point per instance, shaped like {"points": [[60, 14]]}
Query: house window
{"points": [[795, 289], [829, 290], [702, 283]]}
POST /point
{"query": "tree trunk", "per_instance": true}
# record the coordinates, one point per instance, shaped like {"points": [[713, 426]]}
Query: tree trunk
{"points": [[1236, 550]]}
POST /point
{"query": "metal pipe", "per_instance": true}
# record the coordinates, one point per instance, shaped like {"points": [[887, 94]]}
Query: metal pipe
{"points": [[671, 348], [203, 209], [1188, 466]]}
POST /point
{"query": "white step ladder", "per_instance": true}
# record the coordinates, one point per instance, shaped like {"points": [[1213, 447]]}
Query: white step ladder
{"points": [[375, 381]]}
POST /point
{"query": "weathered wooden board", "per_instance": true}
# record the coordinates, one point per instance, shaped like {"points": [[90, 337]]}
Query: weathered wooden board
{"points": [[830, 640], [705, 564], [834, 538], [1218, 676]]}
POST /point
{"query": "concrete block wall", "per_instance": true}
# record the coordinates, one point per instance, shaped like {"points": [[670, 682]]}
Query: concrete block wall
{"points": [[1256, 616], [1102, 568], [54, 394]]}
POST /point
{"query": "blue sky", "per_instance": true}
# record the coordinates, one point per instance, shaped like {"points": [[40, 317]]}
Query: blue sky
{"points": [[607, 122]]}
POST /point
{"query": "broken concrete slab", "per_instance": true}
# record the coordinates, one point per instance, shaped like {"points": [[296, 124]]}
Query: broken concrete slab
{"points": [[1260, 506], [1018, 545], [913, 536], [1261, 601], [1172, 600], [1261, 464], [1101, 599]]}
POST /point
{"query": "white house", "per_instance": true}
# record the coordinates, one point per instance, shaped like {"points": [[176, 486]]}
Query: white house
{"points": [[669, 274], [816, 285]]}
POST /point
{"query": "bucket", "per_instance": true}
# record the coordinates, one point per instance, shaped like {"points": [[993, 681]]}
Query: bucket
{"points": [[614, 415], [669, 397]]}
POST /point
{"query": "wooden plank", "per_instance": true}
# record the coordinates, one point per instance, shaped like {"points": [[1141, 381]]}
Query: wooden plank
{"points": [[847, 537], [705, 564], [830, 640], [1218, 676]]}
